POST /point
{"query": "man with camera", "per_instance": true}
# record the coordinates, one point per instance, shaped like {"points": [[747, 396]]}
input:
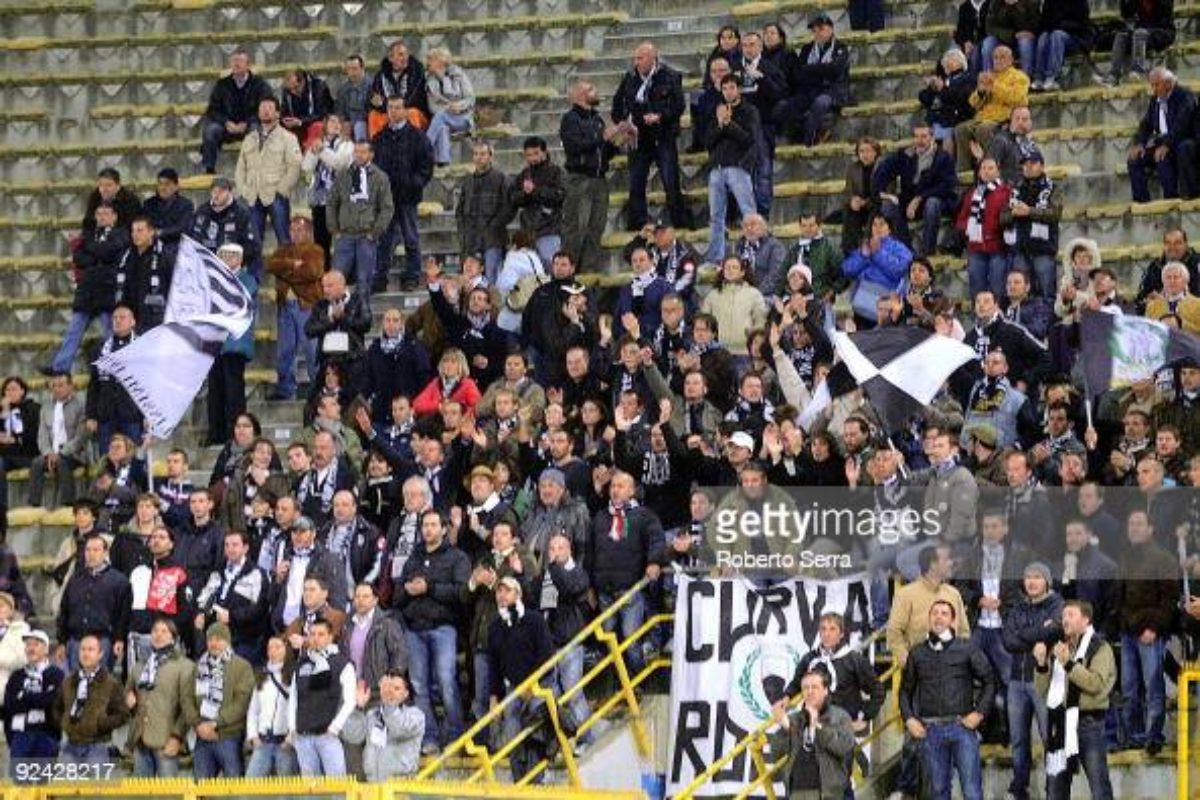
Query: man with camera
{"points": [[816, 737], [1077, 676]]}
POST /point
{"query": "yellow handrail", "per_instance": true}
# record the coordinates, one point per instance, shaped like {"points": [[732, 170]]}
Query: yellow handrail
{"points": [[1187, 676], [759, 733], [531, 686]]}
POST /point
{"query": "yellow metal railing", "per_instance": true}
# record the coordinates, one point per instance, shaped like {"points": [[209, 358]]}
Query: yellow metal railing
{"points": [[756, 741], [1183, 751], [186, 789], [626, 695]]}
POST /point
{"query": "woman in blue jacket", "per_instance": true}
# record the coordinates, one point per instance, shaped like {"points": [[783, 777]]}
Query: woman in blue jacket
{"points": [[879, 267]]}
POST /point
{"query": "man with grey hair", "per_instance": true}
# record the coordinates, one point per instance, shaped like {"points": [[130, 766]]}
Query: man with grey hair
{"points": [[588, 145], [650, 97], [946, 98], [1175, 300], [1164, 141]]}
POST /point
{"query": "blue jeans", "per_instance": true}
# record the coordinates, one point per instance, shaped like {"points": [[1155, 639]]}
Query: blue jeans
{"points": [[1052, 50], [483, 684], [431, 656], [441, 126], [320, 756], [1144, 689], [149, 763], [931, 219], [1025, 705], [721, 182], [80, 322], [356, 258], [1044, 270], [764, 171], [951, 747], [1166, 170], [272, 758], [31, 744], [493, 260], [212, 136], [810, 115], [293, 339], [526, 754], [222, 758], [280, 211], [547, 246], [1093, 758], [567, 674], [1025, 48], [629, 618], [404, 224], [987, 273], [665, 154], [84, 754], [991, 642]]}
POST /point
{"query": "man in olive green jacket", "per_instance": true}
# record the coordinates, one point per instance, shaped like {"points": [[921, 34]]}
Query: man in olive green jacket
{"points": [[154, 693], [216, 707], [816, 738]]}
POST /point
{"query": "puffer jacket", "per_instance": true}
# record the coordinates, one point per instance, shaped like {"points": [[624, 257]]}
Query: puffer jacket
{"points": [[1027, 623], [268, 165]]}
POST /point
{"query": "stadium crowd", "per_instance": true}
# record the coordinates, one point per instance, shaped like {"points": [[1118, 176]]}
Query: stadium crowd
{"points": [[475, 479]]}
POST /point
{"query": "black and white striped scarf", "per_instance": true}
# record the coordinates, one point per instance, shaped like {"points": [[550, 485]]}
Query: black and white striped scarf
{"points": [[81, 693], [978, 206], [210, 677], [1062, 707], [149, 676]]}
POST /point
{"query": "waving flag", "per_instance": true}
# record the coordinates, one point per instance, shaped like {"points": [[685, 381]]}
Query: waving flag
{"points": [[900, 369], [164, 370], [1119, 350]]}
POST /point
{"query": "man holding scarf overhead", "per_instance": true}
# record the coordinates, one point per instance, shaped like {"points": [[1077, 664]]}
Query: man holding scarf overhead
{"points": [[1077, 677]]}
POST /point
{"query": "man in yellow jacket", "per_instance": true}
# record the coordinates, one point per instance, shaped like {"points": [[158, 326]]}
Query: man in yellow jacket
{"points": [[1175, 300], [997, 93], [268, 168]]}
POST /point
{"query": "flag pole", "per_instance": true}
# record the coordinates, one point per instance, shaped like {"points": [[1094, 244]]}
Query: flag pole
{"points": [[149, 464], [903, 471]]}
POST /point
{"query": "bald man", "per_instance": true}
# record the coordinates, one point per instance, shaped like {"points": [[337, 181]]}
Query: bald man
{"points": [[650, 98], [587, 143], [339, 322]]}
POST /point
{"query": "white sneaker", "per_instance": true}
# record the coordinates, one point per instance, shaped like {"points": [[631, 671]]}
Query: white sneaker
{"points": [[1036, 86], [1050, 86]]}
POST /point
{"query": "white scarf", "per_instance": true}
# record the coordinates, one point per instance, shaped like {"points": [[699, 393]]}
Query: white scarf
{"points": [[644, 89], [978, 206], [1059, 760], [358, 192]]}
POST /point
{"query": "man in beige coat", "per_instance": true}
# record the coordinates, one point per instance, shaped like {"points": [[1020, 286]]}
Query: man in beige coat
{"points": [[268, 168], [154, 693]]}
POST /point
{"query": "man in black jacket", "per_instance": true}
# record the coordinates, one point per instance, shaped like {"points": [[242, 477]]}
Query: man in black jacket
{"points": [[169, 211], [732, 151], [397, 364], [400, 75], [95, 601], [339, 322], [232, 108], [110, 409], [406, 157], [518, 643], [1164, 140], [236, 595], [763, 86], [537, 193], [483, 212], [28, 699], [144, 274], [358, 544], [200, 540], [651, 98], [95, 265], [475, 333], [560, 592], [109, 190], [225, 219], [304, 104], [821, 83], [940, 704], [428, 599], [625, 545], [587, 143], [855, 687]]}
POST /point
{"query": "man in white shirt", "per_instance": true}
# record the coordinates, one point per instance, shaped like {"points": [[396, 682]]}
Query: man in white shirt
{"points": [[322, 698]]}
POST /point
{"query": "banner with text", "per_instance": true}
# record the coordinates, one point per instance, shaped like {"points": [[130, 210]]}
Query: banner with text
{"points": [[737, 645]]}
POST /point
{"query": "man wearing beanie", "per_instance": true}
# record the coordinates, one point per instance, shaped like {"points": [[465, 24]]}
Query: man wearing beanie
{"points": [[518, 643], [217, 708], [1035, 618]]}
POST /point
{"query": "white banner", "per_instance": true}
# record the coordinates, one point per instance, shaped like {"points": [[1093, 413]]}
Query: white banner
{"points": [[732, 639], [164, 369]]}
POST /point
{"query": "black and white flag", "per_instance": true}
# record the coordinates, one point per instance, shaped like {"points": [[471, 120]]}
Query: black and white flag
{"points": [[1120, 350], [900, 369], [164, 370]]}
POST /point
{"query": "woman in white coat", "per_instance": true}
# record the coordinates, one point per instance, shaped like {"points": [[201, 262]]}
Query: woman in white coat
{"points": [[328, 155]]}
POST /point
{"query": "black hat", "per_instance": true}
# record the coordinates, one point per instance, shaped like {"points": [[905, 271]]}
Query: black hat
{"points": [[1033, 154], [661, 224], [819, 19]]}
